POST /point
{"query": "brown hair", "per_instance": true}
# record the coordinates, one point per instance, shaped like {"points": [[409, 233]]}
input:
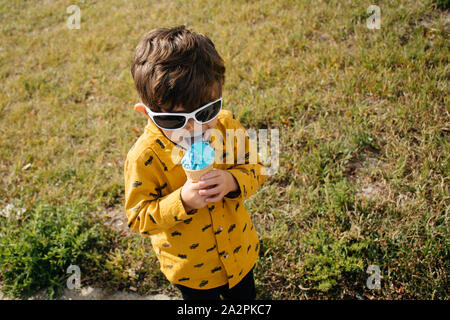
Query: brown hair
{"points": [[177, 67]]}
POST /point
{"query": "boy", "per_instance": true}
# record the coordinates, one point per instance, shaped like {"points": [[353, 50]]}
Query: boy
{"points": [[201, 232]]}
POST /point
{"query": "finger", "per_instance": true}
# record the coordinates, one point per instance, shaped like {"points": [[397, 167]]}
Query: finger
{"points": [[210, 192], [198, 185], [203, 201], [215, 198], [206, 183], [211, 174]]}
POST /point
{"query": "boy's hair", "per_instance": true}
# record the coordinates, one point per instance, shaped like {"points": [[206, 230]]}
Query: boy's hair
{"points": [[176, 67]]}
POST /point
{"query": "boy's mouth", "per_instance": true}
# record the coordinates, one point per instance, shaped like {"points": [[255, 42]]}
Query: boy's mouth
{"points": [[190, 140]]}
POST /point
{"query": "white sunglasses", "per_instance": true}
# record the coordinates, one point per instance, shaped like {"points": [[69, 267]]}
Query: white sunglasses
{"points": [[175, 121]]}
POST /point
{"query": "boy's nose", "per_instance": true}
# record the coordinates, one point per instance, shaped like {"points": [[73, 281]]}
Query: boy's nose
{"points": [[190, 125]]}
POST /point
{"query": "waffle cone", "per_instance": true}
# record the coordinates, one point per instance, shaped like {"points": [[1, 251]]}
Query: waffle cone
{"points": [[195, 175]]}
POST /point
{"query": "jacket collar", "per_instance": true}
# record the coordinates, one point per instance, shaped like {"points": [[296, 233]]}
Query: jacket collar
{"points": [[162, 146]]}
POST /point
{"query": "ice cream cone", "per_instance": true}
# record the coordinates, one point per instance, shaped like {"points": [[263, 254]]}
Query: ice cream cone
{"points": [[195, 175]]}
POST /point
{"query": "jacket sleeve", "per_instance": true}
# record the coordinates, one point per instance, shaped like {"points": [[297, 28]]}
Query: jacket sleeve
{"points": [[249, 176], [148, 210]]}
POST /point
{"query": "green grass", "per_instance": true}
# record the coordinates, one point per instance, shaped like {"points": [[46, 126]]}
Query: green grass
{"points": [[364, 145], [38, 246]]}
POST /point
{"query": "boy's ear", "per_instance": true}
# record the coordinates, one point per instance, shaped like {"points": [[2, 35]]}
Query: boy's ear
{"points": [[140, 107]]}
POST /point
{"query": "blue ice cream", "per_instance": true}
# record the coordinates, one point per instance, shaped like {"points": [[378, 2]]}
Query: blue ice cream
{"points": [[198, 156]]}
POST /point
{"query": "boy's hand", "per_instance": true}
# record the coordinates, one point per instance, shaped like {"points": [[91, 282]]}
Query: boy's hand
{"points": [[216, 184], [190, 196], [212, 187]]}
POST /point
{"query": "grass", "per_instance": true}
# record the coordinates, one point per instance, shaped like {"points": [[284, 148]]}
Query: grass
{"points": [[38, 246], [364, 145]]}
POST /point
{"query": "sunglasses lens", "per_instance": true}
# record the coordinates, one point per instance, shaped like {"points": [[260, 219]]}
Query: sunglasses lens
{"points": [[170, 121], [209, 113]]}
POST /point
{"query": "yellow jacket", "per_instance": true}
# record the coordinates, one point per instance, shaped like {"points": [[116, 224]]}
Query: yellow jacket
{"points": [[200, 249]]}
